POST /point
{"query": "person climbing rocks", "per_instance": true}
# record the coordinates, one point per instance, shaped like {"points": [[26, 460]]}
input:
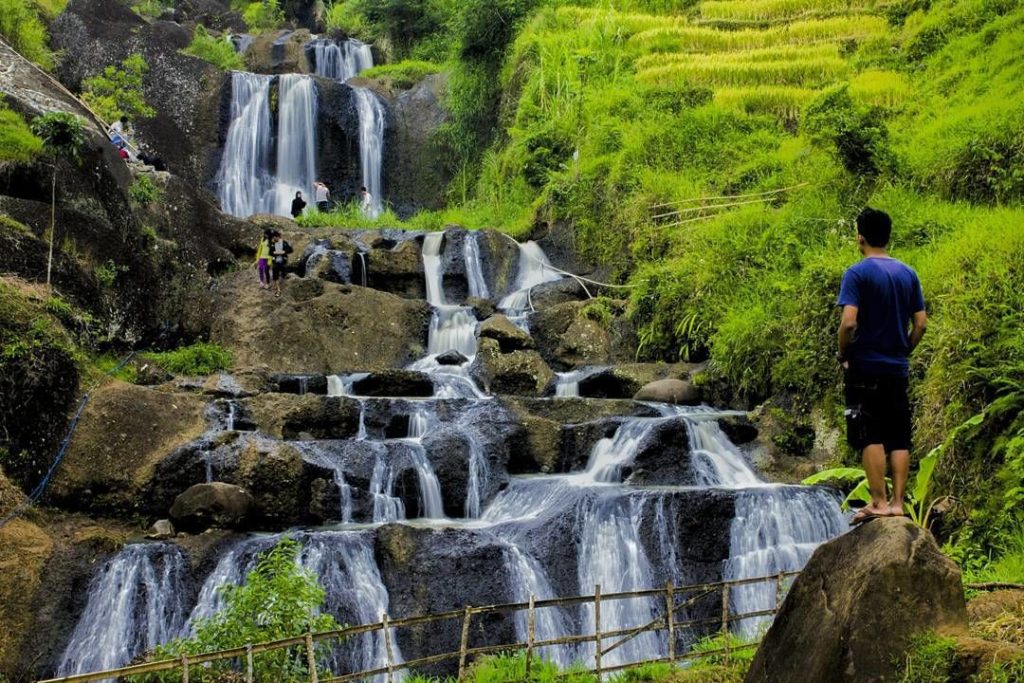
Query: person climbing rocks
{"points": [[298, 204], [883, 321], [279, 250], [118, 132], [263, 259], [322, 196], [366, 202], [122, 151]]}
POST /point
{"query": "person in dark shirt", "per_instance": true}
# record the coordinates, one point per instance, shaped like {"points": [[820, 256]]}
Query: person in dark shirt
{"points": [[298, 204], [883, 320]]}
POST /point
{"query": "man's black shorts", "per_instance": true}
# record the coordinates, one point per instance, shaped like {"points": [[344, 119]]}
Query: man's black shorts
{"points": [[877, 411], [277, 270]]}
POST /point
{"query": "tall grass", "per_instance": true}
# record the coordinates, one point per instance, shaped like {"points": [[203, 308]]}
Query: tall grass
{"points": [[17, 143], [769, 54], [711, 72], [22, 27], [782, 101], [779, 10]]}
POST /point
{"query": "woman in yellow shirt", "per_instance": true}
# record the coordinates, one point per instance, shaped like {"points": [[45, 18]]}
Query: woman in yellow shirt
{"points": [[263, 260]]}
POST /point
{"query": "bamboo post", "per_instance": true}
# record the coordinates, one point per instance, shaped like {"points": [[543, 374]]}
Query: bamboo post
{"points": [[670, 618], [780, 583], [531, 620], [597, 630], [249, 677], [387, 647], [464, 641], [725, 621], [184, 669], [311, 658]]}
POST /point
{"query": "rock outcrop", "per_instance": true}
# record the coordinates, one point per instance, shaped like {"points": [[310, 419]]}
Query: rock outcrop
{"points": [[677, 391], [852, 612], [214, 504]]}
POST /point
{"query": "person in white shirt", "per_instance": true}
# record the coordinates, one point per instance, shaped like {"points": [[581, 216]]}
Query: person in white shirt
{"points": [[119, 131], [365, 202], [322, 196]]}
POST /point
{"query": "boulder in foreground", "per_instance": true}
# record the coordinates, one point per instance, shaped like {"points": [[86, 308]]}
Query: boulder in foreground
{"points": [[852, 612], [214, 504], [677, 391]]}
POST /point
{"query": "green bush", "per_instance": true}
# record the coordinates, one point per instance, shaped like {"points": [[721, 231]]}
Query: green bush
{"points": [[278, 600], [22, 27], [201, 358], [263, 15], [152, 8], [145, 192], [405, 22], [218, 51], [118, 90], [17, 143], [403, 75]]}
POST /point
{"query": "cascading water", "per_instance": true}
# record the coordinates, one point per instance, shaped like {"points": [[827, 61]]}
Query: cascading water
{"points": [[474, 269], [296, 140], [340, 61], [244, 179], [372, 119], [136, 602], [534, 269]]}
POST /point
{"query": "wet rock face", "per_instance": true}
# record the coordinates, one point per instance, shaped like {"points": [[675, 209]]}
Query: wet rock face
{"points": [[509, 337], [499, 260], [663, 457], [886, 577], [338, 140], [522, 373], [214, 504], [395, 383], [397, 270], [279, 52]]}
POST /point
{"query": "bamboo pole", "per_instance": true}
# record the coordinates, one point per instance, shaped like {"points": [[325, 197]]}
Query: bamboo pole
{"points": [[464, 641], [597, 631], [184, 669], [249, 667], [530, 625], [725, 620], [311, 658], [779, 590], [387, 647], [670, 617]]}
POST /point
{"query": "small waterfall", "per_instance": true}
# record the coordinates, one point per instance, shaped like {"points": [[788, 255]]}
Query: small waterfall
{"points": [[434, 275], [362, 269], [567, 384], [716, 460], [611, 454], [317, 454], [534, 269], [529, 578], [136, 602], [474, 270], [479, 470], [244, 178], [776, 529], [431, 503], [452, 328], [386, 508], [418, 423], [340, 62], [296, 140], [371, 144]]}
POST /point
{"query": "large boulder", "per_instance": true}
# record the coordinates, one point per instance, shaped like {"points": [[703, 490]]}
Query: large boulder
{"points": [[279, 52], [574, 333], [395, 382], [855, 607], [677, 391], [213, 504], [24, 551], [317, 326], [520, 372], [624, 381], [397, 269], [124, 432], [508, 336]]}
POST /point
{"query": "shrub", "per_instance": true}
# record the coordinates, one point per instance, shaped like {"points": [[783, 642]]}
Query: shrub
{"points": [[857, 132], [21, 26], [278, 600], [403, 75], [405, 22], [201, 358], [152, 8], [263, 15], [118, 90], [145, 192], [217, 51], [17, 143]]}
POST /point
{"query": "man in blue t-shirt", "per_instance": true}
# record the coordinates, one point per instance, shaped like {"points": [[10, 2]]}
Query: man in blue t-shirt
{"points": [[883, 320]]}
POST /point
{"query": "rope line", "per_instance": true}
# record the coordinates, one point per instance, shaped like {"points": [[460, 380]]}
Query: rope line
{"points": [[579, 278], [40, 488], [729, 196]]}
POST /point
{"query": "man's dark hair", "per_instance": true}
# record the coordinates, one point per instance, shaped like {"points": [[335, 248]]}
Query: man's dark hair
{"points": [[124, 119], [362, 188], [875, 225]]}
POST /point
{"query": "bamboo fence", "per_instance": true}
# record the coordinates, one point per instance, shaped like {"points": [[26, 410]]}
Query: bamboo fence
{"points": [[673, 598]]}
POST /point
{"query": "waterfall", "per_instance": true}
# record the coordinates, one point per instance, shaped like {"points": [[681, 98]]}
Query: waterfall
{"points": [[478, 473], [136, 602], [244, 178], [716, 460], [775, 529], [567, 384], [340, 62], [534, 269], [434, 277], [611, 454], [474, 270], [386, 507], [529, 578], [371, 144], [296, 140]]}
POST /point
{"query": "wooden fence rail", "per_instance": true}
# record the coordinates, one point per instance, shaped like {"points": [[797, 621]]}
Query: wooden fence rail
{"points": [[673, 598]]}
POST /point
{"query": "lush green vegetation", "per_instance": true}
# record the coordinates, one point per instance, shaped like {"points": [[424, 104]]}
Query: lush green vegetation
{"points": [[22, 25], [117, 91], [17, 142], [261, 15], [403, 75], [201, 358], [934, 659], [145, 192], [278, 600], [216, 50]]}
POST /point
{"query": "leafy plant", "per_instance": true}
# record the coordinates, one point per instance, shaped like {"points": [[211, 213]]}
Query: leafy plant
{"points": [[403, 75], [278, 600], [22, 27], [201, 358], [145, 192], [218, 51], [117, 91], [263, 15], [17, 143], [63, 137]]}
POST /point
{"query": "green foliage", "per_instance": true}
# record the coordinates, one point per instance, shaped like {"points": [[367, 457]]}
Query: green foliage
{"points": [[106, 274], [117, 91], [201, 358], [17, 142], [856, 131], [63, 134], [21, 25], [9, 224], [278, 600], [508, 668], [403, 75], [152, 8], [406, 22], [928, 659], [216, 50], [263, 15], [145, 192]]}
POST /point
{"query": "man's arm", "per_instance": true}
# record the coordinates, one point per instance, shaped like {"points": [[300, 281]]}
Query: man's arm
{"points": [[920, 325], [847, 329]]}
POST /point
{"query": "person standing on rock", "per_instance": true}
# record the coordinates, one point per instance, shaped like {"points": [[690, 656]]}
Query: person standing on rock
{"points": [[323, 197], [298, 204], [366, 202], [263, 259], [279, 250], [883, 321]]}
